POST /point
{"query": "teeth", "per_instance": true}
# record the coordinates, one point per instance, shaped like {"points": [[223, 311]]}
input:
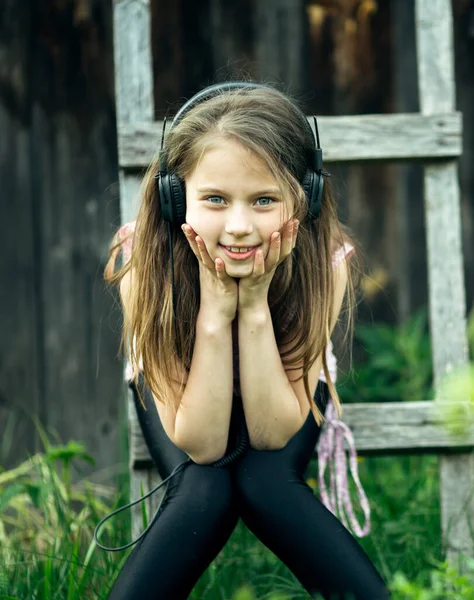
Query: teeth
{"points": [[234, 249]]}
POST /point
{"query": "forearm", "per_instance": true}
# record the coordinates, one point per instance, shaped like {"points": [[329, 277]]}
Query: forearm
{"points": [[271, 407], [203, 418]]}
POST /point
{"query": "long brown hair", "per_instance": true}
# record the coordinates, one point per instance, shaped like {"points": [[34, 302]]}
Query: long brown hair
{"points": [[264, 122]]}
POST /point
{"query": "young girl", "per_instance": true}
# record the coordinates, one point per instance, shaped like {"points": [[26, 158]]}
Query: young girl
{"points": [[237, 269]]}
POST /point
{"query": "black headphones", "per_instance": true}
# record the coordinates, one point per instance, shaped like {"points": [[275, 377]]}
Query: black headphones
{"points": [[171, 188]]}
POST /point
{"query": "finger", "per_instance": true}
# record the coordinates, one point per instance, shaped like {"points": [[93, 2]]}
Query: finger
{"points": [[275, 249], [206, 259], [221, 271], [260, 263], [288, 239], [220, 267], [295, 234], [191, 237]]}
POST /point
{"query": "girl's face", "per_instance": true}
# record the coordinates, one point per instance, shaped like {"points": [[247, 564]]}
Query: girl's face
{"points": [[233, 200]]}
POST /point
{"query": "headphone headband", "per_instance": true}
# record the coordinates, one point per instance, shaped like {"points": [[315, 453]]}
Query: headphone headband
{"points": [[221, 88]]}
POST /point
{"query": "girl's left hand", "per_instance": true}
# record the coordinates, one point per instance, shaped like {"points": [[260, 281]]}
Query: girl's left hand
{"points": [[253, 290]]}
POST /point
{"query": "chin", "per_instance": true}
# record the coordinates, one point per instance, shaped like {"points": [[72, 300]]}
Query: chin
{"points": [[238, 273]]}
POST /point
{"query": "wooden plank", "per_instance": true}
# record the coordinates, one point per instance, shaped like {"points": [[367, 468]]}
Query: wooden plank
{"points": [[387, 427], [143, 479], [346, 138], [129, 195], [133, 79], [54, 175], [20, 321], [281, 46], [80, 389], [228, 38], [133, 61], [435, 55], [445, 267], [134, 102], [410, 252]]}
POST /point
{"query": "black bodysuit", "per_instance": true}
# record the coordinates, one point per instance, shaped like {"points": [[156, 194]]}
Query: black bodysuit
{"points": [[267, 490]]}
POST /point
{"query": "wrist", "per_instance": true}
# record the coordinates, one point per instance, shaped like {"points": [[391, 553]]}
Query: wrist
{"points": [[213, 321], [258, 312]]}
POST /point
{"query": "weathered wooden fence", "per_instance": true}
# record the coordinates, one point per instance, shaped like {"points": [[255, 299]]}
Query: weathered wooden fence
{"points": [[432, 136], [59, 190]]}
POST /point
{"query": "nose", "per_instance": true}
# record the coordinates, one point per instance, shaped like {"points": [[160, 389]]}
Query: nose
{"points": [[238, 225]]}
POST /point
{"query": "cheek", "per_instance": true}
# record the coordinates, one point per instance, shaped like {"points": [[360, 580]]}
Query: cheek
{"points": [[200, 225]]}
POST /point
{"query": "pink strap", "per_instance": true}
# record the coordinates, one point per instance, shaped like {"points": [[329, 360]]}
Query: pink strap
{"points": [[341, 253], [331, 452], [126, 233]]}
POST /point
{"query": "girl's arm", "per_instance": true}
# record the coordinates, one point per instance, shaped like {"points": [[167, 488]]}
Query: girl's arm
{"points": [[200, 427], [275, 404], [271, 407], [203, 417]]}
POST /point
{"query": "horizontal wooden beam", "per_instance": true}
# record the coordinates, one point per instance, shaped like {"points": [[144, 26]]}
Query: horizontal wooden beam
{"points": [[361, 138], [393, 427], [378, 428]]}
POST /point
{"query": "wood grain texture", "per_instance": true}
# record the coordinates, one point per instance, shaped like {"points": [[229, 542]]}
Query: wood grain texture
{"points": [[433, 136], [347, 138], [386, 427], [435, 58], [144, 476], [134, 102]]}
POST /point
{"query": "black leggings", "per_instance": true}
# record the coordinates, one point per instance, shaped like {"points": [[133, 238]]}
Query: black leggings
{"points": [[267, 490]]}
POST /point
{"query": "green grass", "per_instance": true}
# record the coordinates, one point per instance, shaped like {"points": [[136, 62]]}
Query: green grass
{"points": [[47, 550]]}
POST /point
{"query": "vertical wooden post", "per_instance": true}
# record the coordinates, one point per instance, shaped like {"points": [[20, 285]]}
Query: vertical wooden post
{"points": [[445, 273], [134, 103], [282, 46]]}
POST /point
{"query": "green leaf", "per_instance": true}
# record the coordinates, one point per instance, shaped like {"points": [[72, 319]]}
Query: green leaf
{"points": [[9, 493], [68, 452]]}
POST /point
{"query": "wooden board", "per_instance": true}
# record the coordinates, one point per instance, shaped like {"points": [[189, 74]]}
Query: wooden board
{"points": [[435, 58], [348, 138], [388, 427]]}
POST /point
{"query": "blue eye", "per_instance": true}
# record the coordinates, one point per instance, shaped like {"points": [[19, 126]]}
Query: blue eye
{"points": [[265, 198], [209, 198]]}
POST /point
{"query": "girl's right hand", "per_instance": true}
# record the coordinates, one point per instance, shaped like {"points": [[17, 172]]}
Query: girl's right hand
{"points": [[219, 291]]}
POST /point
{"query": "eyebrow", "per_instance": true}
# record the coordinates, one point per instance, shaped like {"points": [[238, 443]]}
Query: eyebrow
{"points": [[213, 190]]}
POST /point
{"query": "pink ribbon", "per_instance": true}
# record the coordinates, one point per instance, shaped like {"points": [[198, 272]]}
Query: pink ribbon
{"points": [[331, 452]]}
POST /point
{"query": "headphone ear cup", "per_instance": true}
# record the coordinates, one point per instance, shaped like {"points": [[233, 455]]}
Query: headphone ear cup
{"points": [[313, 184], [178, 191], [172, 198]]}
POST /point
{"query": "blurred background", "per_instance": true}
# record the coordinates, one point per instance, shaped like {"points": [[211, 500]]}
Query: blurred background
{"points": [[59, 193]]}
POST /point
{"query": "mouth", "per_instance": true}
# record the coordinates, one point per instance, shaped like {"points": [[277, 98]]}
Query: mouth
{"points": [[239, 255]]}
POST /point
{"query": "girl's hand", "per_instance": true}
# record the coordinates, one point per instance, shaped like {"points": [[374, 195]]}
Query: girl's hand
{"points": [[253, 290], [219, 291]]}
